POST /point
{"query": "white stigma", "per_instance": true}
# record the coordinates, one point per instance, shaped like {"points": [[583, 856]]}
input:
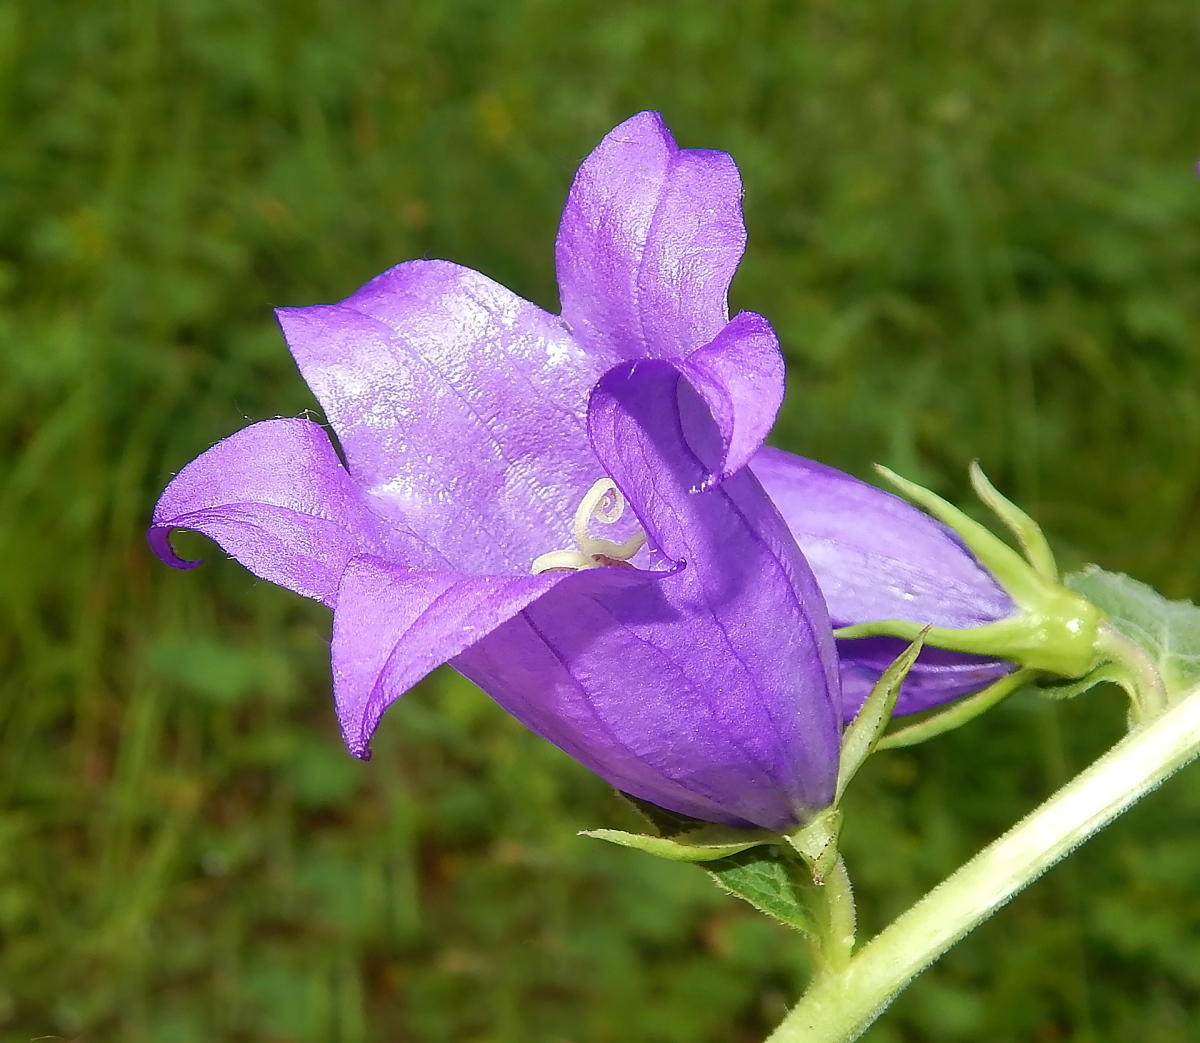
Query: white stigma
{"points": [[604, 503]]}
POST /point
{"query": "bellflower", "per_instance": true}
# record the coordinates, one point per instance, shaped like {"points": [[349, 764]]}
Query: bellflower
{"points": [[557, 505], [561, 508]]}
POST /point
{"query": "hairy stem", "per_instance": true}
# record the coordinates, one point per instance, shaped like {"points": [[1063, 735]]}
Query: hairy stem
{"points": [[840, 1007], [838, 923]]}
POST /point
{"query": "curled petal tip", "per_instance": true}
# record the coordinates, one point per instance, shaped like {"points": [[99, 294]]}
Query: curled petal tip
{"points": [[159, 538], [739, 374], [359, 744]]}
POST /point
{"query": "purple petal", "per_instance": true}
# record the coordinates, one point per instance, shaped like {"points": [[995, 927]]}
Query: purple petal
{"points": [[568, 667], [740, 377], [276, 497], [875, 555], [459, 406], [936, 677], [650, 239], [393, 625], [712, 692]]}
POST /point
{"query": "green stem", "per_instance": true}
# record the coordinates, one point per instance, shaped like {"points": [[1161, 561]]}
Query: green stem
{"points": [[838, 1008], [838, 923]]}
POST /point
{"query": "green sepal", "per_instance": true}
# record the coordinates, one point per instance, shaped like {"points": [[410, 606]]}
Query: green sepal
{"points": [[1064, 690], [668, 823], [1054, 630], [1012, 571], [957, 713], [864, 732], [771, 882], [816, 842], [1028, 533], [705, 844]]}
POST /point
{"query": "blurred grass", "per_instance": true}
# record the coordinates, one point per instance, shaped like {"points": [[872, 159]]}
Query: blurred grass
{"points": [[977, 230]]}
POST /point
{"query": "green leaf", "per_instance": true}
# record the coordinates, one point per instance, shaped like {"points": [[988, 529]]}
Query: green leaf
{"points": [[1167, 631], [771, 883], [700, 845]]}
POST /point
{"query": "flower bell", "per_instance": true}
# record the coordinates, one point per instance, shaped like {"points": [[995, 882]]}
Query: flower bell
{"points": [[481, 435]]}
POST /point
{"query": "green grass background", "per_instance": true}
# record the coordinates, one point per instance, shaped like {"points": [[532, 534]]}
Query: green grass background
{"points": [[976, 227]]}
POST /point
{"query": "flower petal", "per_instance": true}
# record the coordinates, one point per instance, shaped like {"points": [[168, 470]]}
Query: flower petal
{"points": [[393, 625], [712, 692], [459, 406], [651, 236], [276, 497], [875, 555], [567, 669], [739, 374]]}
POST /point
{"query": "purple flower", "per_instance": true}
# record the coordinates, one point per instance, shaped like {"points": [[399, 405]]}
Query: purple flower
{"points": [[877, 557], [680, 648]]}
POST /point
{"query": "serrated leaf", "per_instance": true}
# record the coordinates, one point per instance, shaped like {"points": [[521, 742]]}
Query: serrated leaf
{"points": [[773, 885], [1168, 631], [700, 845]]}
